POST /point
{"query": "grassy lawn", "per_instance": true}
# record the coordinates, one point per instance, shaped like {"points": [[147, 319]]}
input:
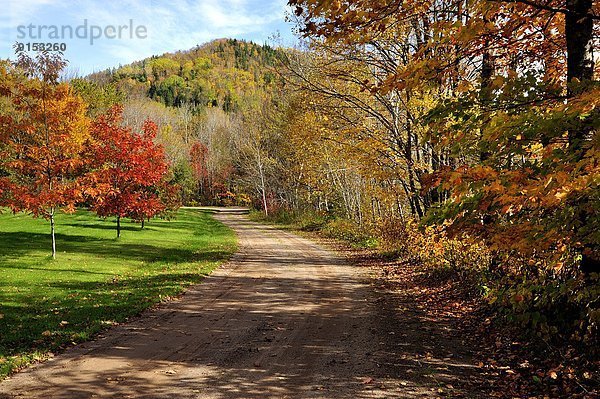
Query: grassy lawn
{"points": [[96, 280]]}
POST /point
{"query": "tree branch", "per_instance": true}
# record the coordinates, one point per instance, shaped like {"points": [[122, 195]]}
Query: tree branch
{"points": [[546, 6]]}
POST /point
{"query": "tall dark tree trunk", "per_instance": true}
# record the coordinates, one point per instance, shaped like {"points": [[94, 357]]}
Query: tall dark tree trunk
{"points": [[118, 226], [485, 91], [579, 31], [412, 177], [487, 71]]}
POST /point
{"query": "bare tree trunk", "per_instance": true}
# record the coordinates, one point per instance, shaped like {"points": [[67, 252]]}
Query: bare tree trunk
{"points": [[263, 189], [118, 226], [52, 211], [264, 198]]}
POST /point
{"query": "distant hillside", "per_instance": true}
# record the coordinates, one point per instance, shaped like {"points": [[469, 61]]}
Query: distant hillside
{"points": [[223, 73]]}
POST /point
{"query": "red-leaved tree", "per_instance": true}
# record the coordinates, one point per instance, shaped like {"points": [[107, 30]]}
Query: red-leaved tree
{"points": [[128, 170]]}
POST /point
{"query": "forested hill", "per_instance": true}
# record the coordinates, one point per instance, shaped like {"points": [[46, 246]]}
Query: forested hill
{"points": [[207, 103], [223, 73]]}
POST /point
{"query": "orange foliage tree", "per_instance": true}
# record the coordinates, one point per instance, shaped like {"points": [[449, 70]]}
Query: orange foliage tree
{"points": [[43, 129], [517, 107]]}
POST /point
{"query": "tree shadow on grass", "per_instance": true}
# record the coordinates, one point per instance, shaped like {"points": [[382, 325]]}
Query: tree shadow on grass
{"points": [[115, 300], [175, 224], [106, 226], [47, 269], [19, 244]]}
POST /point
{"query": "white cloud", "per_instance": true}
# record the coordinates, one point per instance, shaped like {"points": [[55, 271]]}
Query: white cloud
{"points": [[182, 24]]}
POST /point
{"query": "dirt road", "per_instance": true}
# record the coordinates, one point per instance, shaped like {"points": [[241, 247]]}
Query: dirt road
{"points": [[285, 318]]}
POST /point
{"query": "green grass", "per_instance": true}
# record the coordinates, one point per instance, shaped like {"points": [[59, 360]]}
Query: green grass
{"points": [[96, 280]]}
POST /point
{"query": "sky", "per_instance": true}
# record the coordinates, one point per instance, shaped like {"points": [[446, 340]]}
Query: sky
{"points": [[103, 33]]}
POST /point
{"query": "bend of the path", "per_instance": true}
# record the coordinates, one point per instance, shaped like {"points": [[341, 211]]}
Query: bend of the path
{"points": [[284, 318]]}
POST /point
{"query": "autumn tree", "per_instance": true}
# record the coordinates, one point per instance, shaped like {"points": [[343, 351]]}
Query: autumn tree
{"points": [[380, 129], [256, 145], [199, 164], [515, 107], [217, 131], [501, 100], [128, 169], [43, 129]]}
